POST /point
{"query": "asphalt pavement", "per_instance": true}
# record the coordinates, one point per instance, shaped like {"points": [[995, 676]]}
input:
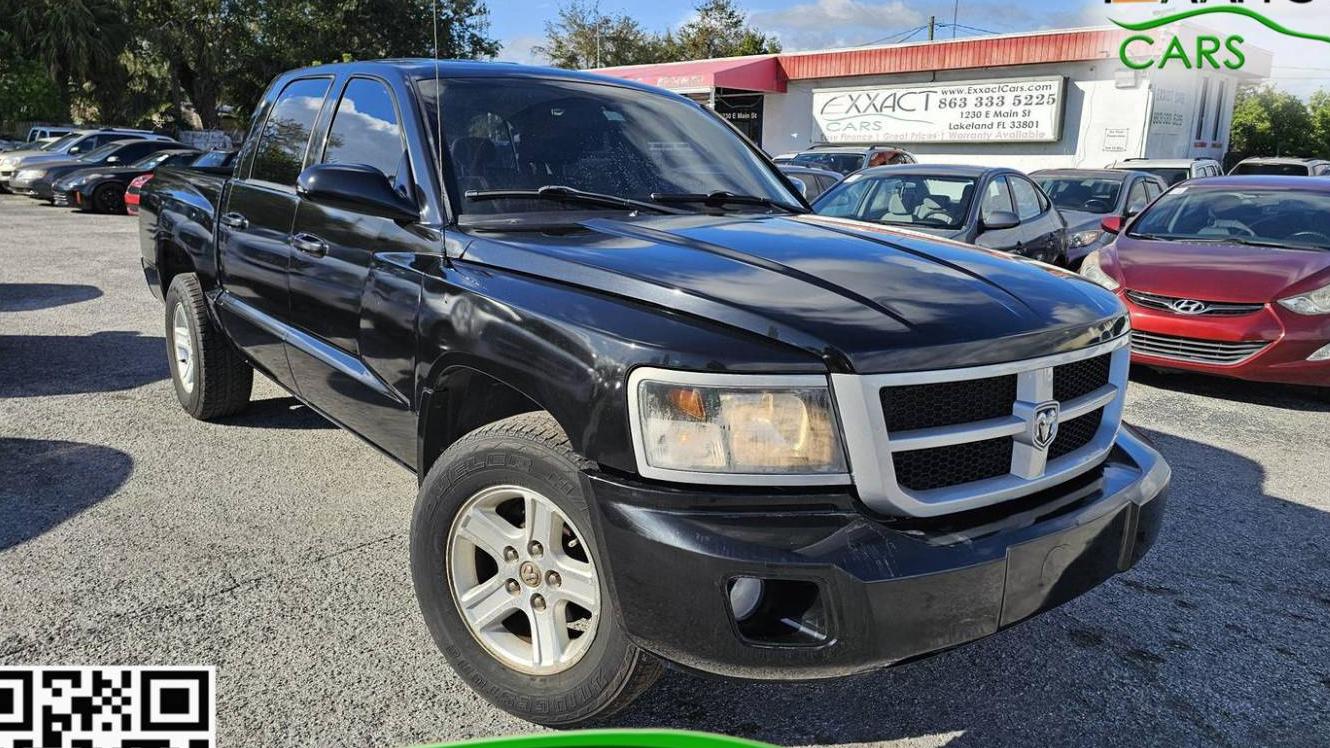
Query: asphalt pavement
{"points": [[274, 547]]}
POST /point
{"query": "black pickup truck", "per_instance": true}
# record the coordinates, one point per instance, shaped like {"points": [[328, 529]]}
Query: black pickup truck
{"points": [[659, 412]]}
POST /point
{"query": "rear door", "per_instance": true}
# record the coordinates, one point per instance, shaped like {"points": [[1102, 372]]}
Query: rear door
{"points": [[1041, 227], [254, 228], [351, 360]]}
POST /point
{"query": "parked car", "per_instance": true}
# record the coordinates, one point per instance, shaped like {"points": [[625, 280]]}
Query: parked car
{"points": [[45, 132], [1230, 276], [782, 159], [848, 159], [1085, 196], [1294, 167], [1173, 170], [213, 162], [600, 355], [36, 180], [812, 181], [101, 189], [73, 145], [996, 208]]}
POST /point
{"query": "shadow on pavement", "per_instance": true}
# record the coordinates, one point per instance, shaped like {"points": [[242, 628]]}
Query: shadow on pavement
{"points": [[1220, 636], [30, 297], [43, 483], [279, 413], [1286, 396], [38, 365]]}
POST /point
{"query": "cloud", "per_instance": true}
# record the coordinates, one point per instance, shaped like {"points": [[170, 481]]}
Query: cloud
{"points": [[519, 49], [837, 23]]}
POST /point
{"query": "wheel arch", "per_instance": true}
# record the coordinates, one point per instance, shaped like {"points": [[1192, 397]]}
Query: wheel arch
{"points": [[460, 398]]}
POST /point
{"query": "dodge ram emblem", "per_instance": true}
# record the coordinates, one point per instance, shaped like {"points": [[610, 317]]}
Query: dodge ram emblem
{"points": [[1046, 425]]}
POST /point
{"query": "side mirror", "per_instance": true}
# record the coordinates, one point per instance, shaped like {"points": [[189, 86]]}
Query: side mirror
{"points": [[112, 159], [1111, 224], [999, 220], [356, 187], [800, 185], [75, 149]]}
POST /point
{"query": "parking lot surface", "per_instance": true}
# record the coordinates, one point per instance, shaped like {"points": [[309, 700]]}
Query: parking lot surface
{"points": [[274, 547]]}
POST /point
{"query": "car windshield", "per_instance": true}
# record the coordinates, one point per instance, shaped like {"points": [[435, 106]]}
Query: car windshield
{"points": [[525, 134], [1170, 176], [212, 159], [1087, 194], [842, 163], [1298, 219], [900, 200], [97, 155], [1292, 170], [60, 142]]}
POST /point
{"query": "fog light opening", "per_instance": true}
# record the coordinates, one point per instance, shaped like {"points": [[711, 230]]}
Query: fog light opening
{"points": [[1322, 354], [745, 597]]}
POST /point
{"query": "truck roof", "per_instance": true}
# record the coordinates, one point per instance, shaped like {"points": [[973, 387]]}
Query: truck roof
{"points": [[425, 68]]}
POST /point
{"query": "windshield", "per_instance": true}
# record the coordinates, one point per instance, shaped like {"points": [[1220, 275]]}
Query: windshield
{"points": [[154, 160], [97, 155], [520, 134], [843, 163], [56, 145], [1170, 176], [900, 200], [1292, 170], [1287, 218], [1090, 195]]}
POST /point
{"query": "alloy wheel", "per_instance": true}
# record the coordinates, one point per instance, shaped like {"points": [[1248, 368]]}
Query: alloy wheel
{"points": [[182, 343]]}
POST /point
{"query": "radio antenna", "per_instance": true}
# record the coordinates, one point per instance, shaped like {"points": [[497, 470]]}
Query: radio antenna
{"points": [[438, 95]]}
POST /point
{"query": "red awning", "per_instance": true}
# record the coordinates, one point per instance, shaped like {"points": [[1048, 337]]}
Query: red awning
{"points": [[759, 73]]}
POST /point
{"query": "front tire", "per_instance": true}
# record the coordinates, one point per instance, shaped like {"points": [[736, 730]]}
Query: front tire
{"points": [[108, 198], [211, 378], [511, 584]]}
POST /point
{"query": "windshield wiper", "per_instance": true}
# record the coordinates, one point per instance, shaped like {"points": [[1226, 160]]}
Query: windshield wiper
{"points": [[1246, 242], [561, 193], [720, 198]]}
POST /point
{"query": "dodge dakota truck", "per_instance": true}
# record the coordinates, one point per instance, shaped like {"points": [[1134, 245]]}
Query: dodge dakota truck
{"points": [[660, 413]]}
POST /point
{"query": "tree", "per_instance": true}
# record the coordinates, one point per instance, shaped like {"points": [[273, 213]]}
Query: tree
{"points": [[75, 41], [1319, 107], [1270, 122], [720, 29], [582, 37]]}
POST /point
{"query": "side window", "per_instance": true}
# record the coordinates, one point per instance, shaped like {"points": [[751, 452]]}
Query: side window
{"points": [[1027, 198], [133, 152], [997, 197], [365, 129], [285, 136], [1137, 198], [845, 202], [1151, 190]]}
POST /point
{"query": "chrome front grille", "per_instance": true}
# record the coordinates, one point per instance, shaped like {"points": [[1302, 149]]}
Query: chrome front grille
{"points": [[1194, 349], [931, 443], [1193, 307]]}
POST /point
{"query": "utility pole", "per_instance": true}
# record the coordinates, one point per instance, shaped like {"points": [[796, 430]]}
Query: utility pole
{"points": [[932, 25], [955, 16]]}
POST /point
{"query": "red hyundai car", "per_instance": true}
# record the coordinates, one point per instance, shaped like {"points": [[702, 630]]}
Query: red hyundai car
{"points": [[1228, 276]]}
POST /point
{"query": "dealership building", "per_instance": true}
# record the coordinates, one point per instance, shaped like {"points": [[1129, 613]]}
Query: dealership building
{"points": [[1040, 100]]}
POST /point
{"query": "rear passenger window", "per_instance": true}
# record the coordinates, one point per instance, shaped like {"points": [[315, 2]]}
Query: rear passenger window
{"points": [[1137, 199], [285, 136], [1151, 190], [365, 129], [997, 198], [1028, 205]]}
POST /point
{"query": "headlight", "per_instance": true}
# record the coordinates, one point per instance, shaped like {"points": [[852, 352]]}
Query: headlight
{"points": [[1312, 302], [1091, 270], [30, 174], [1085, 238], [734, 428]]}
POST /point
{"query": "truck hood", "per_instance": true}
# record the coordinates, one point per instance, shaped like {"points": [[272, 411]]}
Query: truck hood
{"points": [[862, 297], [1216, 272]]}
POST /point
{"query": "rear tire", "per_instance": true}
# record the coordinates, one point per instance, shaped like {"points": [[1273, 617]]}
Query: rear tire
{"points": [[211, 378], [108, 198], [528, 457]]}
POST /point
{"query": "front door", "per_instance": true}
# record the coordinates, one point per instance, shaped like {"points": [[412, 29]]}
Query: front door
{"points": [[254, 229], [996, 198], [352, 351]]}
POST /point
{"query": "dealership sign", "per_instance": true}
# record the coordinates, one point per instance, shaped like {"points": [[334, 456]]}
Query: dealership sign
{"points": [[1014, 110]]}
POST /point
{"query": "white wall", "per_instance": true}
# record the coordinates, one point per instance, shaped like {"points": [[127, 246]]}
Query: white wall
{"points": [[1102, 101]]}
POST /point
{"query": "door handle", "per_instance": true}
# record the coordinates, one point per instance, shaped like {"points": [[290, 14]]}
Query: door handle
{"points": [[234, 221], [310, 244]]}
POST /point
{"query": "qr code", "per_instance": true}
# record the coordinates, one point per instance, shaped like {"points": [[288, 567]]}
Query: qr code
{"points": [[107, 707]]}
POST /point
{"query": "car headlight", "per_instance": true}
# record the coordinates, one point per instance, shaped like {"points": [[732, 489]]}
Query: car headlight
{"points": [[1091, 270], [1085, 238], [30, 174], [734, 428], [1310, 303]]}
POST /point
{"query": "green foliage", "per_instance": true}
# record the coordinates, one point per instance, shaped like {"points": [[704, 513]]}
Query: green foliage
{"points": [[27, 94], [1270, 122], [582, 37], [133, 61]]}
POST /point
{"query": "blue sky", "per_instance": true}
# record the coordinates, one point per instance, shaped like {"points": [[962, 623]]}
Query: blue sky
{"points": [[1301, 67]]}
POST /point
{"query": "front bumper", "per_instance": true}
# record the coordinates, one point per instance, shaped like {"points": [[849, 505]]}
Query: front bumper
{"points": [[887, 591], [1291, 339], [66, 198]]}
